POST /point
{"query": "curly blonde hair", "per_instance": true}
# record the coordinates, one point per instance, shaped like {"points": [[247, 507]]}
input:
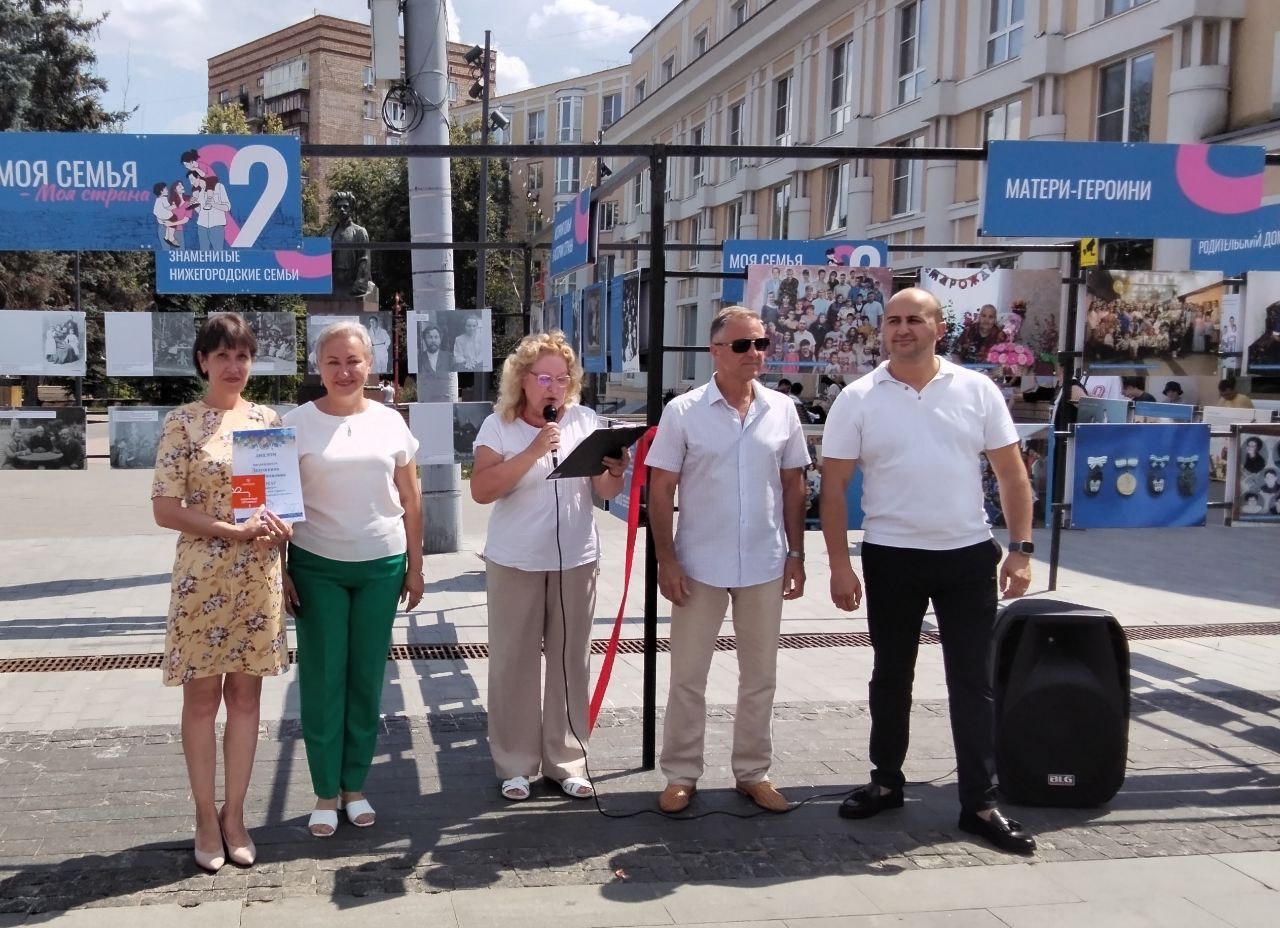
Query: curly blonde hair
{"points": [[511, 387]]}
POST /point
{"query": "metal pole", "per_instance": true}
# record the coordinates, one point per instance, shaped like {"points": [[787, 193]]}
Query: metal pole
{"points": [[431, 220], [657, 337], [483, 212], [1059, 424], [528, 289]]}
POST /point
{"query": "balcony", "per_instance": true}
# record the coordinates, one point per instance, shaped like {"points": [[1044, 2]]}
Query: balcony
{"points": [[293, 102]]}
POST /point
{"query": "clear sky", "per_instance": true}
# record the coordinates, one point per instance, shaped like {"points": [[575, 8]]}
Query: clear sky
{"points": [[154, 53]]}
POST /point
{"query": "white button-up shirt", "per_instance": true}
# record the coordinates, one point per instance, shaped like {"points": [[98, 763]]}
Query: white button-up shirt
{"points": [[730, 531]]}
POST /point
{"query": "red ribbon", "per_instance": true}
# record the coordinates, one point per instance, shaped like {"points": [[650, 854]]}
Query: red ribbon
{"points": [[639, 474]]}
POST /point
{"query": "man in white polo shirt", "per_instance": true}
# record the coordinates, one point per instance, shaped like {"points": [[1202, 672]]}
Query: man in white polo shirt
{"points": [[916, 425], [737, 452]]}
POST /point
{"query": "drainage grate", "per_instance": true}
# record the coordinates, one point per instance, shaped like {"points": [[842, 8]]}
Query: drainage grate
{"points": [[461, 651]]}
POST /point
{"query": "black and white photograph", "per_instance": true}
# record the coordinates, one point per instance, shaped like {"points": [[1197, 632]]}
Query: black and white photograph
{"points": [[594, 320], [378, 325], [42, 439], [631, 322], [467, 419], [42, 342], [442, 342], [1257, 473], [277, 342], [1221, 419], [432, 425], [469, 336], [1153, 322], [1260, 327], [133, 434], [173, 336]]}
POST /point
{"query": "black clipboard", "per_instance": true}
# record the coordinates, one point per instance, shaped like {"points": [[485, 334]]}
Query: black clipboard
{"points": [[587, 459]]}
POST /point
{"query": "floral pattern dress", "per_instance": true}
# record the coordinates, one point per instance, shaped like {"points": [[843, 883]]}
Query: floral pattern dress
{"points": [[226, 602]]}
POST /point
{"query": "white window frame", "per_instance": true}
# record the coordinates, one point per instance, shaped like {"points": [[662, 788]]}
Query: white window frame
{"points": [[1116, 7], [639, 92], [911, 78], [1004, 33], [782, 109], [780, 218], [535, 177], [370, 139], [366, 76], [697, 164], [568, 175], [738, 14], [608, 211], [535, 132], [224, 96], [733, 134], [837, 215], [911, 173], [688, 336], [733, 219], [1006, 115], [700, 42], [669, 69], [610, 108], [367, 110], [840, 86], [453, 91], [1126, 126], [569, 130]]}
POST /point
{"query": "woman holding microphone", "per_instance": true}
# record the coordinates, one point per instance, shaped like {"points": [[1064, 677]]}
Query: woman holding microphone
{"points": [[542, 554], [358, 552], [225, 629]]}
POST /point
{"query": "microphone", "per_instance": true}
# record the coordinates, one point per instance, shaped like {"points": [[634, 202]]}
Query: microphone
{"points": [[549, 413]]}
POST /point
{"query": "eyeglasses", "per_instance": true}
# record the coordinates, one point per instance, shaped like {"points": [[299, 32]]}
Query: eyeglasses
{"points": [[740, 345], [546, 380]]}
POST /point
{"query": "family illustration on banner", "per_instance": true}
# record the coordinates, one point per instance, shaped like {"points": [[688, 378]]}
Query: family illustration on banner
{"points": [[198, 194]]}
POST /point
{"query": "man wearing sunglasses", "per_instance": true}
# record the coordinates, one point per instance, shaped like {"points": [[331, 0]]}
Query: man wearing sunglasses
{"points": [[737, 452], [916, 425]]}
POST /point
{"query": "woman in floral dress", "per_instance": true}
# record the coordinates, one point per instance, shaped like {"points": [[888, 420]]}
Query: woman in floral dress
{"points": [[226, 628]]}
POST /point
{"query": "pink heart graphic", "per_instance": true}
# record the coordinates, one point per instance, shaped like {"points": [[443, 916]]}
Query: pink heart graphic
{"points": [[1215, 192]]}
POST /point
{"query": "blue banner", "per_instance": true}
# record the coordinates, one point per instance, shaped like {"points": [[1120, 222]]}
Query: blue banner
{"points": [[1254, 246], [1140, 476], [66, 191], [1114, 189], [244, 270], [739, 254], [569, 319], [617, 330], [571, 235]]}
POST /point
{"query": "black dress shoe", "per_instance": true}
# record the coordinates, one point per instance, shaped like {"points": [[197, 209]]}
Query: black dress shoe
{"points": [[1004, 833], [866, 801]]}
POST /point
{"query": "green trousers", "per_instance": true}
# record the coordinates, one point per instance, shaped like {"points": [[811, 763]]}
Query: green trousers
{"points": [[344, 618]]}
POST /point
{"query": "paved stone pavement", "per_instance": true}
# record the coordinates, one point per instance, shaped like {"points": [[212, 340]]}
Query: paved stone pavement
{"points": [[98, 817]]}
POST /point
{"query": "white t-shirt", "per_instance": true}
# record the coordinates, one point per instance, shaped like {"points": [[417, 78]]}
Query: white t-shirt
{"points": [[922, 481], [522, 526], [348, 468]]}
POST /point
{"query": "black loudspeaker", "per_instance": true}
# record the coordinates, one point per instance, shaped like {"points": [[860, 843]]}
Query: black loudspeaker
{"points": [[1061, 686]]}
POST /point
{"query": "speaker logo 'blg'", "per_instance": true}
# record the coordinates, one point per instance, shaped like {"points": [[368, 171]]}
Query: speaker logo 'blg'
{"points": [[1062, 779]]}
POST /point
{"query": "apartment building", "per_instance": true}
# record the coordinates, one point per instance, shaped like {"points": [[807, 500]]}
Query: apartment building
{"points": [[920, 73], [317, 76]]}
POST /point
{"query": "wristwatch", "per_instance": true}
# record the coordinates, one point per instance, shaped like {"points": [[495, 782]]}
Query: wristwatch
{"points": [[797, 555], [1022, 547]]}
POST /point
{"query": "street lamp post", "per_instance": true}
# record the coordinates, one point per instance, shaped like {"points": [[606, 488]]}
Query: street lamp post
{"points": [[484, 173]]}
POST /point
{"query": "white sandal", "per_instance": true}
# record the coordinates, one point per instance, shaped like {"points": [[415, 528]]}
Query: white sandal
{"points": [[516, 789], [577, 787], [323, 818], [357, 808]]}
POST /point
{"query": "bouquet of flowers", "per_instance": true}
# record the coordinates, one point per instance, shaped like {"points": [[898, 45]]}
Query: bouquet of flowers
{"points": [[1011, 356]]}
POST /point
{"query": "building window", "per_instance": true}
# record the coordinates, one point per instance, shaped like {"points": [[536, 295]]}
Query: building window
{"points": [[782, 111], [697, 136], [668, 69], [1004, 37], [695, 238], [1119, 6], [906, 180], [367, 110], [1124, 99], [535, 176], [1209, 42], [366, 77], [610, 109], [639, 91], [453, 91], [688, 337], [637, 194], [700, 43], [840, 92], [393, 140], [608, 215], [567, 175], [569, 119], [369, 139], [737, 14], [781, 211], [735, 132], [224, 96], [537, 129], [1003, 123], [837, 197], [911, 36], [733, 220], [533, 222]]}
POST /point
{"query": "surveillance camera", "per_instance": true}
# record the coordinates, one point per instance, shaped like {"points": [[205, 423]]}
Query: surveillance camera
{"points": [[499, 120]]}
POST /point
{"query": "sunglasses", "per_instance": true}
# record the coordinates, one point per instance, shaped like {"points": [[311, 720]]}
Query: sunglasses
{"points": [[546, 380], [740, 345]]}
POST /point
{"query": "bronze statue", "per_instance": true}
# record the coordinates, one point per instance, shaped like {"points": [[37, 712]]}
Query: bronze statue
{"points": [[350, 266]]}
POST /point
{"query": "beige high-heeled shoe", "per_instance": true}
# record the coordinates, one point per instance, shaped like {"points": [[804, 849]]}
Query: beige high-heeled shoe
{"points": [[211, 861], [241, 856]]}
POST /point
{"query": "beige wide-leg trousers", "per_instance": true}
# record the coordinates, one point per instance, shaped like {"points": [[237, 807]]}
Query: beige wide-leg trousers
{"points": [[757, 616]]}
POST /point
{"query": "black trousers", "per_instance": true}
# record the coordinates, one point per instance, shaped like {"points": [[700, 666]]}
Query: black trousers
{"points": [[961, 583]]}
